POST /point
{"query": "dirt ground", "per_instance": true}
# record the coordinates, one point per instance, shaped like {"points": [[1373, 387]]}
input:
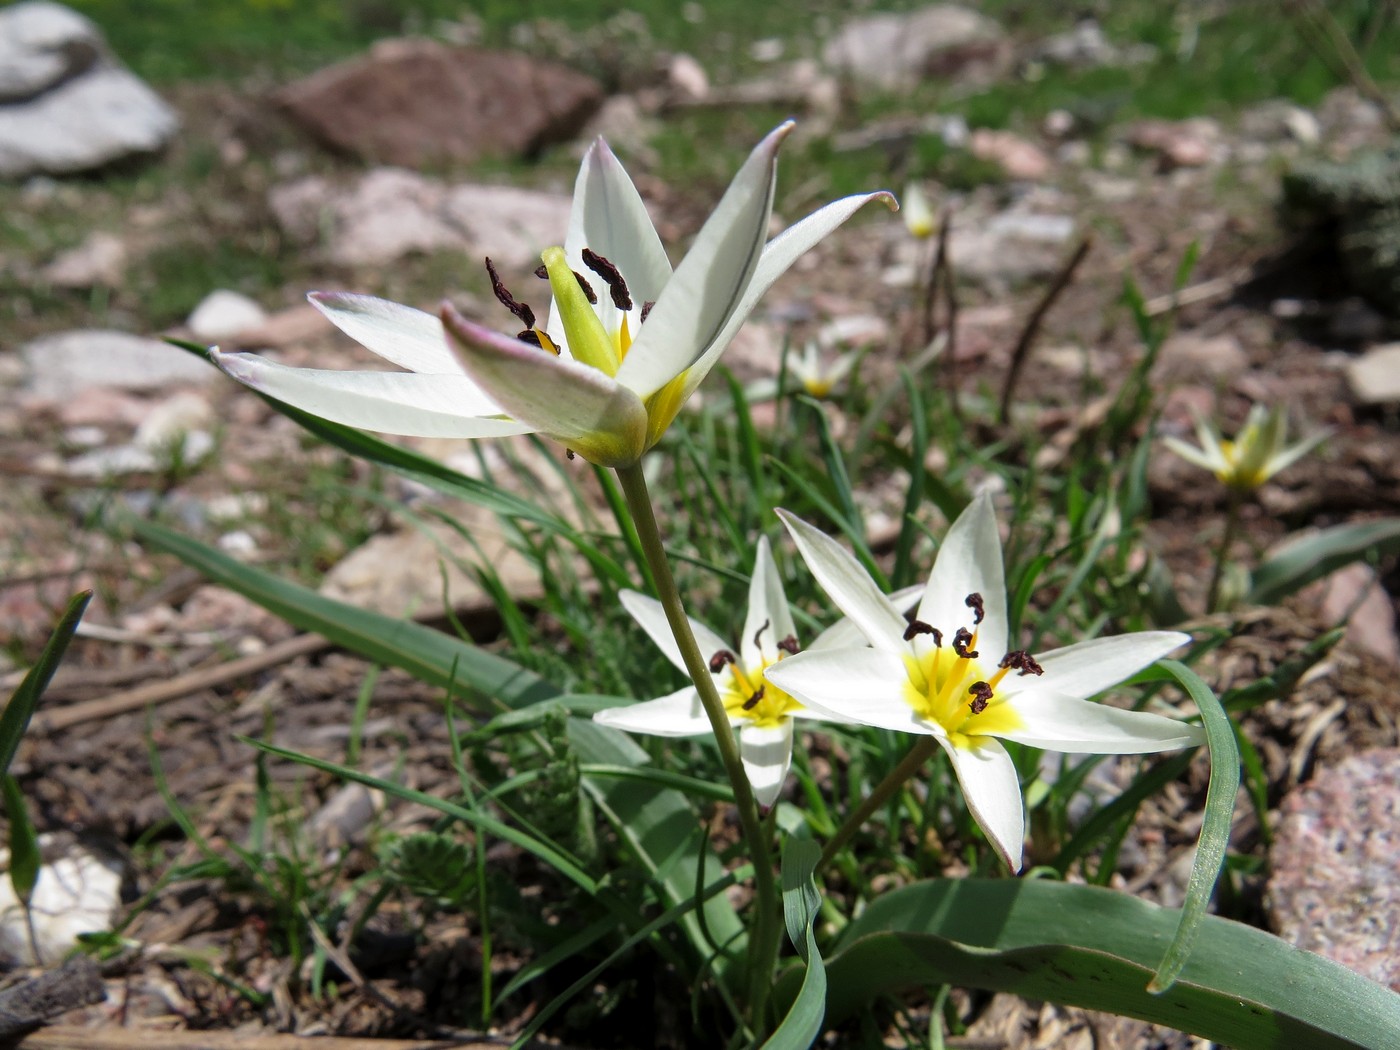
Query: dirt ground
{"points": [[88, 764]]}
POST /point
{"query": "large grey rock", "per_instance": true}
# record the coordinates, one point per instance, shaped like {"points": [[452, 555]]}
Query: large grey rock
{"points": [[42, 44], [390, 213], [416, 102], [1374, 377], [1333, 889], [889, 51], [59, 365], [66, 104]]}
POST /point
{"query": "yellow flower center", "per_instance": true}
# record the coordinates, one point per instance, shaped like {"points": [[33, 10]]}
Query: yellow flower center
{"points": [[748, 696], [947, 684]]}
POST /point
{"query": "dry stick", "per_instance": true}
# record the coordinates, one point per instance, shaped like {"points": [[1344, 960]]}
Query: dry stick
{"points": [[182, 685], [940, 279], [26, 1006], [1032, 327]]}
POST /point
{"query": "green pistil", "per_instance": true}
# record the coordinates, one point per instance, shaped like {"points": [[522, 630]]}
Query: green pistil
{"points": [[588, 340]]}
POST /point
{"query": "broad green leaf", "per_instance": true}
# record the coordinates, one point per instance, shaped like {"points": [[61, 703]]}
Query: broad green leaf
{"points": [[658, 824], [662, 830], [15, 719], [1096, 948], [425, 653], [1215, 825], [1298, 562], [801, 903], [24, 842]]}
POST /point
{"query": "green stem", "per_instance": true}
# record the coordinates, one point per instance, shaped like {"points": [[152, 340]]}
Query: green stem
{"points": [[763, 945], [920, 753], [1232, 523]]}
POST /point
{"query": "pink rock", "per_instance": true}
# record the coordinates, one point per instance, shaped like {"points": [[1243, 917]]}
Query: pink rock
{"points": [[100, 406], [1355, 593], [418, 102], [1018, 158], [1334, 888], [1178, 144]]}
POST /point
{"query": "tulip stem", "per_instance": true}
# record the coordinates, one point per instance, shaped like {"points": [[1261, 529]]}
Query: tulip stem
{"points": [[764, 942], [920, 753], [1227, 540]]}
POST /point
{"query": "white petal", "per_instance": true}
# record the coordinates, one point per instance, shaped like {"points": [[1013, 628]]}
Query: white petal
{"points": [[1062, 723], [778, 256], [576, 405], [1087, 668], [993, 792], [676, 714], [1192, 454], [844, 633], [768, 606], [651, 614], [968, 562], [848, 584], [409, 403], [767, 754], [410, 338], [609, 217], [865, 686], [1291, 455], [708, 284]]}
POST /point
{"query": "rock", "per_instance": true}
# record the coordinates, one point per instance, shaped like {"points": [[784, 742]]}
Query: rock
{"points": [[42, 44], [100, 261], [1333, 889], [624, 123], [101, 406], [1086, 47], [419, 102], [389, 213], [66, 104], [686, 79], [893, 51], [222, 314], [1194, 357], [1353, 594], [1279, 120], [1374, 377], [1015, 156], [1011, 247], [59, 365], [77, 892], [401, 573], [1178, 144], [174, 419], [296, 324]]}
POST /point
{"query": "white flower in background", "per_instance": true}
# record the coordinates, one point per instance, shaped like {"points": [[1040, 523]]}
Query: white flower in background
{"points": [[761, 712], [918, 211], [819, 376], [610, 369], [949, 674], [1258, 452]]}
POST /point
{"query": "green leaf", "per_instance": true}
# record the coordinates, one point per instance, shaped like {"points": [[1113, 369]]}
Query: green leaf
{"points": [[658, 824], [15, 719], [427, 654], [24, 842], [473, 817], [1215, 826], [1096, 948], [1298, 562], [801, 903]]}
